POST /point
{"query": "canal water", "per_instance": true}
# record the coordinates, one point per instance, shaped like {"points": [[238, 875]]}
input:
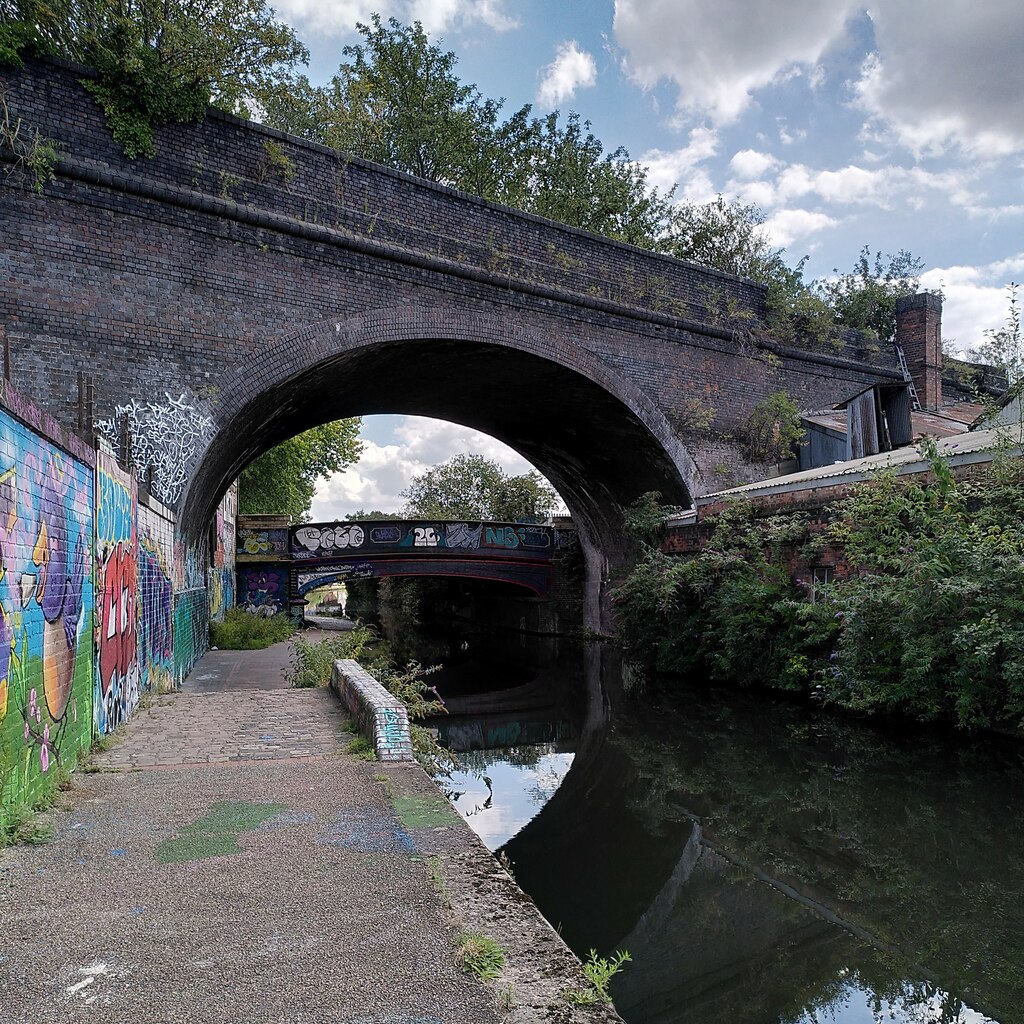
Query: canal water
{"points": [[762, 862]]}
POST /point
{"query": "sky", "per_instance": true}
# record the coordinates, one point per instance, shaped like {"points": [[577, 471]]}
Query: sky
{"points": [[898, 125]]}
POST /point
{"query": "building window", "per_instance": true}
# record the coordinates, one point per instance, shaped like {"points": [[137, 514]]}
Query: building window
{"points": [[821, 577]]}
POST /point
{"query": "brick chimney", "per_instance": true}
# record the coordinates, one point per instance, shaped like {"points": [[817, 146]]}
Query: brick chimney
{"points": [[919, 334]]}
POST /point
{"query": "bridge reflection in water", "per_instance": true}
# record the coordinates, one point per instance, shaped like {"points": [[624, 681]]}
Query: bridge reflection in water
{"points": [[766, 863]]}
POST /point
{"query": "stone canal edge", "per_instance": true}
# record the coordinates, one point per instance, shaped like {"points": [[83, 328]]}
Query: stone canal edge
{"points": [[226, 860]]}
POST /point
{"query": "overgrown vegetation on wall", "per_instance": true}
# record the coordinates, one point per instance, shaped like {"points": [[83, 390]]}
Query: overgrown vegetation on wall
{"points": [[397, 99], [313, 661], [929, 624], [157, 61]]}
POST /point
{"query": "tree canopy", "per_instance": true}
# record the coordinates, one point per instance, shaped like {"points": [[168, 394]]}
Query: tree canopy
{"points": [[158, 60], [283, 480], [473, 487]]}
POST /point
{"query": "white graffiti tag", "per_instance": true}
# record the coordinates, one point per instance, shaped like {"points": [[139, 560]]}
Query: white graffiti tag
{"points": [[165, 435], [312, 538]]}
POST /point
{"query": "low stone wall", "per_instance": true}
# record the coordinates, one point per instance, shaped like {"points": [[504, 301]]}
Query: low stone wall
{"points": [[381, 715]]}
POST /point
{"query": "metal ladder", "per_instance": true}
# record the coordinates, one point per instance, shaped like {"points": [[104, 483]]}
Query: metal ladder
{"points": [[915, 402]]}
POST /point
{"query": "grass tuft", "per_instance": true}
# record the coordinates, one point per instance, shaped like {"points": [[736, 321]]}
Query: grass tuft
{"points": [[480, 955]]}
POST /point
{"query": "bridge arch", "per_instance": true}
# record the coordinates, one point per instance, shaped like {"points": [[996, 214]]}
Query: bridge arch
{"points": [[590, 430]]}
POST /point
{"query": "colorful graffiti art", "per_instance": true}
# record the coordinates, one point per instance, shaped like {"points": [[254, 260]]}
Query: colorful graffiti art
{"points": [[156, 601], [46, 609], [222, 592], [263, 590], [191, 625], [253, 541], [117, 586]]}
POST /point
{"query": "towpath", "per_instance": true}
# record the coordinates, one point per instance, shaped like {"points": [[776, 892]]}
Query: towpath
{"points": [[228, 862]]}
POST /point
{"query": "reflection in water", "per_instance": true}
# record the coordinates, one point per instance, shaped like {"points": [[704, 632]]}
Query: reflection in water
{"points": [[499, 791], [764, 863]]}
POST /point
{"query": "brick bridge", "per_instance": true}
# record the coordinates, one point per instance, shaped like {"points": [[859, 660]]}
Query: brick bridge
{"points": [[278, 565], [218, 300]]}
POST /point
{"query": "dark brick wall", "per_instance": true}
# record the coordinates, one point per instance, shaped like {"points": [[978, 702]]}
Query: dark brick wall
{"points": [[264, 306], [919, 331]]}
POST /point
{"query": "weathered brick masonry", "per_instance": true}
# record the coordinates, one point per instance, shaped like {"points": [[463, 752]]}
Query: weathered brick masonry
{"points": [[211, 300]]}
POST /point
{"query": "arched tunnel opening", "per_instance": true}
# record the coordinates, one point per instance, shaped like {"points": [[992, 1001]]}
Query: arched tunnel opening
{"points": [[600, 450]]}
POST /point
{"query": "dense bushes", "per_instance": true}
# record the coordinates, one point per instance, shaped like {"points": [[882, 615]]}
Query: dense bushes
{"points": [[241, 631], [930, 623]]}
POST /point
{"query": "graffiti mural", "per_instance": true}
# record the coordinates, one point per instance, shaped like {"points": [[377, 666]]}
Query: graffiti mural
{"points": [[317, 541], [262, 542], [221, 578], [191, 608], [46, 609], [191, 629], [156, 599], [263, 589], [168, 436], [222, 592], [118, 677]]}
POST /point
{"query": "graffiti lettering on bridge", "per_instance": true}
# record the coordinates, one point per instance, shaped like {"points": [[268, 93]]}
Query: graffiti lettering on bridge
{"points": [[315, 540], [307, 581], [515, 537], [262, 542]]}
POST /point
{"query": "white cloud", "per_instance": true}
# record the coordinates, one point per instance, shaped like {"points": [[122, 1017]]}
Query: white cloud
{"points": [[947, 76], [886, 188], [680, 166], [749, 163], [718, 52], [785, 227], [572, 69], [384, 471], [974, 297], [339, 17]]}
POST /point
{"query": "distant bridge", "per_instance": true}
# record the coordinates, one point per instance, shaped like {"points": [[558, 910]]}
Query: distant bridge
{"points": [[279, 565]]}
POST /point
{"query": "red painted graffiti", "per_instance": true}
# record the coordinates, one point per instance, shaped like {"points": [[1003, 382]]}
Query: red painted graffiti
{"points": [[118, 615]]}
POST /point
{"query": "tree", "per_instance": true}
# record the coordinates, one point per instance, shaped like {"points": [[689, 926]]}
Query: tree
{"points": [[397, 100], [1004, 346], [159, 60], [865, 298], [727, 235], [472, 487], [283, 480]]}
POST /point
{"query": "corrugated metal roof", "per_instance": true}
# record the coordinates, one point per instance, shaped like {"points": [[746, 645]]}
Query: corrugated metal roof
{"points": [[965, 447], [945, 422]]}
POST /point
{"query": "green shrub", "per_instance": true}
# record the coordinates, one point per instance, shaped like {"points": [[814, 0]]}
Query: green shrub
{"points": [[313, 660], [599, 972], [929, 624], [241, 631]]}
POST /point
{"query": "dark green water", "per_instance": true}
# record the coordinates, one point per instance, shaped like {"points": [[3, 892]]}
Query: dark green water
{"points": [[763, 863]]}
